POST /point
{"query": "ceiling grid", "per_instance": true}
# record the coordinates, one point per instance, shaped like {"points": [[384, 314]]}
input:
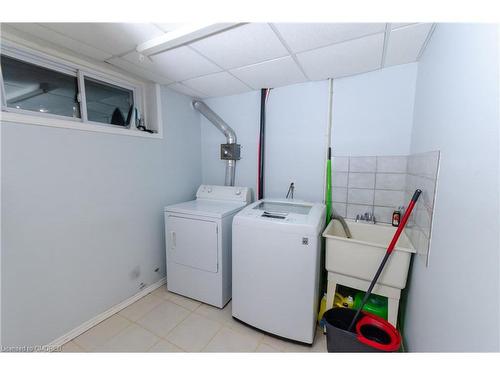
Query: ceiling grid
{"points": [[243, 57]]}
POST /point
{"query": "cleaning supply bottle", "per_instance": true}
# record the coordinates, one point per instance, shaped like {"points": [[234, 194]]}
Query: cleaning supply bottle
{"points": [[396, 217], [341, 301]]}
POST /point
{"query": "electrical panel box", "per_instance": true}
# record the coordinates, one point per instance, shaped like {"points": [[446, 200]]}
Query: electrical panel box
{"points": [[230, 151]]}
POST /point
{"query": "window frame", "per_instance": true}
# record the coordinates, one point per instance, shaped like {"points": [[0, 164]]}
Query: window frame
{"points": [[137, 96], [79, 71]]}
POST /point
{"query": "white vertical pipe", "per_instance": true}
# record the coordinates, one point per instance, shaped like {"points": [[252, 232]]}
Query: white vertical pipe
{"points": [[328, 133]]}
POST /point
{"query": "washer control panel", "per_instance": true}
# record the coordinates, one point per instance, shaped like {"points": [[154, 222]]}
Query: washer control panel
{"points": [[224, 193]]}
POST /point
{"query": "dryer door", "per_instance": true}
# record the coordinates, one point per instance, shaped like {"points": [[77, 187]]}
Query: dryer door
{"points": [[192, 243]]}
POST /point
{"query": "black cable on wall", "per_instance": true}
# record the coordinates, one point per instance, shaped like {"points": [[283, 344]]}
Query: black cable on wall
{"points": [[263, 95]]}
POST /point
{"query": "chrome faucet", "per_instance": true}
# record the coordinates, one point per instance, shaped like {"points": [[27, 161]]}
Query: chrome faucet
{"points": [[367, 217]]}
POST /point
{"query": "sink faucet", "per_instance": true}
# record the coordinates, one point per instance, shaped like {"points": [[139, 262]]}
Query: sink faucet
{"points": [[335, 216], [367, 216]]}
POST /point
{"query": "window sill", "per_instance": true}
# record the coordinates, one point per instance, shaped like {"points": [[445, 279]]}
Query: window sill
{"points": [[21, 118]]}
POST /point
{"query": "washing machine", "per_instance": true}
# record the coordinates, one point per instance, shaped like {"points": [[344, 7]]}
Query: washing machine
{"points": [[198, 243], [276, 267]]}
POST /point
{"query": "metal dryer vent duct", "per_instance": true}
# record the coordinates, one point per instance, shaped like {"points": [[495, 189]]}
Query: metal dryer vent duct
{"points": [[230, 151]]}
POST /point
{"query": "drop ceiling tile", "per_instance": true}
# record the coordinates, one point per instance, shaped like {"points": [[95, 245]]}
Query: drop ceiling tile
{"points": [[243, 45], [405, 44], [218, 84], [183, 63], [115, 38], [144, 72], [306, 36], [183, 89], [61, 40], [273, 73], [343, 59], [399, 25], [145, 63], [166, 27]]}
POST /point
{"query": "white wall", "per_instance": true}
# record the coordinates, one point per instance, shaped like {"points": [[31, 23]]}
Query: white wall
{"points": [[295, 140], [454, 304], [295, 131], [242, 113], [373, 112], [81, 211], [372, 116]]}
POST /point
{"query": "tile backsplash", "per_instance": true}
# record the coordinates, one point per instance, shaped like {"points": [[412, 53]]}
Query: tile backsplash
{"points": [[374, 184], [380, 184], [422, 174]]}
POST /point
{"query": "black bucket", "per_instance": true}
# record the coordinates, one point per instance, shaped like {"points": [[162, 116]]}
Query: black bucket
{"points": [[338, 338]]}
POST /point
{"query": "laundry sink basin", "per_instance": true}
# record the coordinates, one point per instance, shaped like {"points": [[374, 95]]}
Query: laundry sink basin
{"points": [[360, 256]]}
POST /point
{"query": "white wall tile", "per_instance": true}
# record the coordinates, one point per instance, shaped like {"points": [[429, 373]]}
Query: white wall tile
{"points": [[392, 164], [272, 73], [362, 164], [423, 169], [343, 59], [360, 196], [430, 164], [390, 181], [305, 36], [421, 242], [383, 214], [339, 194], [340, 163], [423, 219], [428, 188], [340, 208], [357, 209], [244, 45], [362, 180], [389, 198], [339, 179]]}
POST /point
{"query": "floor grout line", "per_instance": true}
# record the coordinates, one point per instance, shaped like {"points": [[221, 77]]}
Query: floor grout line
{"points": [[74, 343], [224, 323], [112, 336], [209, 341]]}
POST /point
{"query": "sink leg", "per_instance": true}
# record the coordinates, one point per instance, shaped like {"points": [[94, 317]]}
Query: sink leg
{"points": [[392, 310], [330, 291]]}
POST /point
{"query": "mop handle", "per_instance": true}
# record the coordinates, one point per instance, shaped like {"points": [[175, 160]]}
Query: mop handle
{"points": [[391, 247]]}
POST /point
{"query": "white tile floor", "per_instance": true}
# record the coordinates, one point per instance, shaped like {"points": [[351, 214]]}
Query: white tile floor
{"points": [[166, 322]]}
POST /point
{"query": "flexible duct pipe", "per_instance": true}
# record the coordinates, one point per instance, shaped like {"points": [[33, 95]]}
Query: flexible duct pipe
{"points": [[226, 130]]}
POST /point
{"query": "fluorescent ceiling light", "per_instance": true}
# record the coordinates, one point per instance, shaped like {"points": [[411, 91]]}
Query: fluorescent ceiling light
{"points": [[182, 36]]}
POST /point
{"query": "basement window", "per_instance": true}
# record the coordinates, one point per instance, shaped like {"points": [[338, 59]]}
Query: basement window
{"points": [[107, 103], [29, 87], [40, 89]]}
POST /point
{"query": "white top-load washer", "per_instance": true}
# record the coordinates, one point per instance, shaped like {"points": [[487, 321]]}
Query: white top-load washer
{"points": [[198, 243], [276, 267]]}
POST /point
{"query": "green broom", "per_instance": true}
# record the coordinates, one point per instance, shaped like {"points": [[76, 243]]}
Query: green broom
{"points": [[328, 198]]}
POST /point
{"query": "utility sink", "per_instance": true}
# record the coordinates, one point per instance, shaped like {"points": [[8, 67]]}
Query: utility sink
{"points": [[360, 256]]}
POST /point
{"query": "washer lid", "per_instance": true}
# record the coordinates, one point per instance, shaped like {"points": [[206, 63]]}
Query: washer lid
{"points": [[205, 207]]}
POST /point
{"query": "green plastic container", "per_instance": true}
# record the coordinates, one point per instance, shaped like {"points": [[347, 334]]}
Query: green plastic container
{"points": [[376, 304]]}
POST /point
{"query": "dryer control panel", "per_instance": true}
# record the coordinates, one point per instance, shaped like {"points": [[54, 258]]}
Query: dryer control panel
{"points": [[225, 193]]}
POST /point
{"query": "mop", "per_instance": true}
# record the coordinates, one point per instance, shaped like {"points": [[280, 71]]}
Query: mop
{"points": [[388, 253]]}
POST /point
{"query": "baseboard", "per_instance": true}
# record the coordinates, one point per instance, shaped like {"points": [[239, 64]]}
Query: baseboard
{"points": [[104, 315]]}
